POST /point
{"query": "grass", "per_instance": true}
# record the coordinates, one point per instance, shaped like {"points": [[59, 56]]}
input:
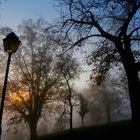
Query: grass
{"points": [[115, 130]]}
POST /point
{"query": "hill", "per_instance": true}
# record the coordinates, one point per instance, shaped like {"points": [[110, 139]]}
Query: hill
{"points": [[116, 130]]}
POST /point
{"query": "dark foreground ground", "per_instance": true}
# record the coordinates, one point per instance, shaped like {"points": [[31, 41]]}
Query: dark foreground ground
{"points": [[120, 130]]}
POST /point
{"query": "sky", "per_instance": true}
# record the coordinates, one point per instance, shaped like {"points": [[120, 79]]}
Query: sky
{"points": [[13, 12]]}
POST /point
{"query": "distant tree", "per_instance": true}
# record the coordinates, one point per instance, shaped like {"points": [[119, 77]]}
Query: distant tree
{"points": [[62, 118], [84, 109], [109, 99], [103, 105], [68, 67], [33, 81], [116, 23]]}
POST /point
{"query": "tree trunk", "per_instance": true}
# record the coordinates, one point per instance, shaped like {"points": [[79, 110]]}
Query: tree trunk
{"points": [[71, 106], [108, 114], [134, 87], [131, 70], [33, 130], [107, 106], [82, 121], [134, 93], [71, 117]]}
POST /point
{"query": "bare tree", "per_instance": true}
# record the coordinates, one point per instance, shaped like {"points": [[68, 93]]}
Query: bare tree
{"points": [[68, 67], [84, 109], [34, 83], [109, 100], [117, 22]]}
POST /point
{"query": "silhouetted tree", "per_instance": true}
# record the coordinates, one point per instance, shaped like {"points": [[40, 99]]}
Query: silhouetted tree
{"points": [[117, 23], [84, 109], [68, 67], [34, 83]]}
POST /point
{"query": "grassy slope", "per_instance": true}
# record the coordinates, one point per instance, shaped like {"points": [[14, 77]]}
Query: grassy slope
{"points": [[116, 130]]}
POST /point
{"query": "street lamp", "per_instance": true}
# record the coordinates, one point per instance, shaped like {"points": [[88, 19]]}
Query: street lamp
{"points": [[11, 43]]}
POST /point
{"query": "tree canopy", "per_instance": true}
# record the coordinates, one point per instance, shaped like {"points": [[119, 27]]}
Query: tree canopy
{"points": [[34, 84]]}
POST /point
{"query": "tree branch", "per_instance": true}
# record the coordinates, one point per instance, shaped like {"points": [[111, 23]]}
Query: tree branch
{"points": [[77, 42], [137, 66], [100, 29], [135, 39], [96, 25], [127, 21], [131, 33]]}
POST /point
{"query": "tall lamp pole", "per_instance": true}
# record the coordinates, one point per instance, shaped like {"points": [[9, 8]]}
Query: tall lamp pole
{"points": [[11, 44]]}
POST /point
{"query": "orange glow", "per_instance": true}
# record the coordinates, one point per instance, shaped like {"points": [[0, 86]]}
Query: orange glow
{"points": [[19, 96]]}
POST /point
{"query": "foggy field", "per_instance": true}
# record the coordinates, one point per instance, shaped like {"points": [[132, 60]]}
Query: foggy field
{"points": [[115, 130]]}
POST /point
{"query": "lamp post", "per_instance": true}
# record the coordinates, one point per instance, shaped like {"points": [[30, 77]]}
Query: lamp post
{"points": [[11, 43]]}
